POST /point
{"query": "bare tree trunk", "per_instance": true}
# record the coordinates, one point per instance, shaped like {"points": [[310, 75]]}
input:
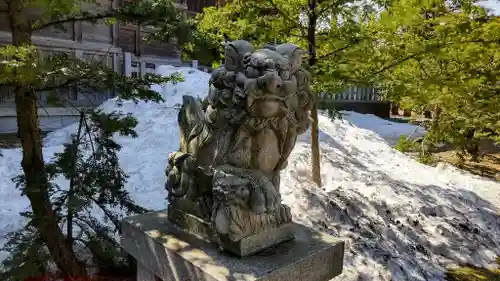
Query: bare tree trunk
{"points": [[394, 109], [436, 116], [406, 112], [69, 220], [37, 186], [315, 152]]}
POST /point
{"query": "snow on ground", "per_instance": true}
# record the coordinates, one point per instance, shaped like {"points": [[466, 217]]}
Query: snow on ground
{"points": [[402, 220], [400, 217], [390, 131]]}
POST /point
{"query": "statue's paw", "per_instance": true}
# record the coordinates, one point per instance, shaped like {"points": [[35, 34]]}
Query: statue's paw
{"points": [[221, 222], [288, 214], [272, 205], [284, 214], [265, 199], [302, 128], [258, 209], [173, 177], [272, 198]]}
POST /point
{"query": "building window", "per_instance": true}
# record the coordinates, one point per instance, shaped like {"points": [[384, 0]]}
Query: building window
{"points": [[135, 74], [134, 64], [150, 65]]}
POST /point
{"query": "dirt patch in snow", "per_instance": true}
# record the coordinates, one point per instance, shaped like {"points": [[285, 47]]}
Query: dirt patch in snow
{"points": [[487, 166]]}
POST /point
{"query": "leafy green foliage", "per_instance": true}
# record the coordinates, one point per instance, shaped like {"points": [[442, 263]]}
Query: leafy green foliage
{"points": [[437, 56], [17, 64], [426, 159], [98, 78], [323, 28], [96, 180], [203, 48], [275, 21], [405, 144], [28, 257], [63, 71], [168, 19]]}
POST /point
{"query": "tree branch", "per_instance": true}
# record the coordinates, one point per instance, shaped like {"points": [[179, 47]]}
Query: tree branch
{"points": [[352, 44], [422, 68], [122, 14], [66, 83], [297, 35], [400, 61], [70, 214], [285, 16], [41, 106], [427, 50], [89, 132], [78, 18], [327, 7]]}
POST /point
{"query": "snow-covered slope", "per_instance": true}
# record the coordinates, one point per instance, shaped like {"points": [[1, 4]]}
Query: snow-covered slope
{"points": [[389, 131], [402, 220]]}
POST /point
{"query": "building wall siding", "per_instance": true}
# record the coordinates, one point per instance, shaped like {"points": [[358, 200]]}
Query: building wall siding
{"points": [[120, 46], [132, 39], [127, 38], [51, 118]]}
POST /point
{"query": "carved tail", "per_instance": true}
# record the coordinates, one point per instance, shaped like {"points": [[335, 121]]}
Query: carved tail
{"points": [[190, 121]]}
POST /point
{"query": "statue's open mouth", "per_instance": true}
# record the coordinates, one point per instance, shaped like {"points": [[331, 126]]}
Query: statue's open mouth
{"points": [[267, 106]]}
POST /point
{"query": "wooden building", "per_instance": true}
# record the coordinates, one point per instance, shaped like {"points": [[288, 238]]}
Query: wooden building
{"points": [[120, 46]]}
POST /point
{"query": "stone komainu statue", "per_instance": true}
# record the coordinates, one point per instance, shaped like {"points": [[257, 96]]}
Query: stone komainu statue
{"points": [[223, 184]]}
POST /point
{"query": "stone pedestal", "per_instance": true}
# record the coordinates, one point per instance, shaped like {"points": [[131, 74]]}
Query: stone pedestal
{"points": [[165, 252], [244, 247]]}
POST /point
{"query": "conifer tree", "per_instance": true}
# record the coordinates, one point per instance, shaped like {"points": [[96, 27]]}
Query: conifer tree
{"points": [[23, 71]]}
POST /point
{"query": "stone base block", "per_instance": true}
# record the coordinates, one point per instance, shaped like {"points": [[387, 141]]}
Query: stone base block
{"points": [[169, 253], [244, 247]]}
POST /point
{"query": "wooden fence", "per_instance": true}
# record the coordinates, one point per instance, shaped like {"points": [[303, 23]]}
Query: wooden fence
{"points": [[359, 99], [353, 94]]}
